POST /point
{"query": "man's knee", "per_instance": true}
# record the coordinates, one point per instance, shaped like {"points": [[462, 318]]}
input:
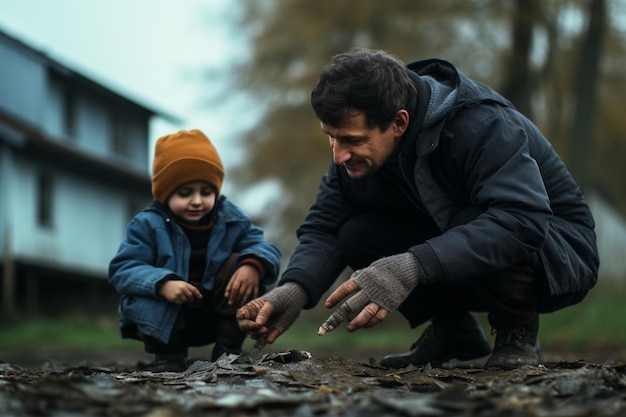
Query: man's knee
{"points": [[367, 237], [352, 243], [516, 286], [511, 296]]}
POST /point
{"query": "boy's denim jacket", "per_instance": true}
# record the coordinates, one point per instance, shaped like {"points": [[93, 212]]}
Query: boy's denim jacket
{"points": [[156, 246]]}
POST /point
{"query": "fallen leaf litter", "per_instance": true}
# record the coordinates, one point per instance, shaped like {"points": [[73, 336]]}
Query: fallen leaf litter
{"points": [[296, 384]]}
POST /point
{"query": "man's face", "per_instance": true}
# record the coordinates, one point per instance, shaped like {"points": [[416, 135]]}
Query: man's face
{"points": [[361, 150]]}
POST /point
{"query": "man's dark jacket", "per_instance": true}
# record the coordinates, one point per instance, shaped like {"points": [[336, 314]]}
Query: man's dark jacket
{"points": [[479, 155]]}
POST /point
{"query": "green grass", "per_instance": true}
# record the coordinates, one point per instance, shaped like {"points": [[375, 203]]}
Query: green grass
{"points": [[599, 320], [71, 332]]}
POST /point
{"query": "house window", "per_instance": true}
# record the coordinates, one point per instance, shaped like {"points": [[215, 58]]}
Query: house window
{"points": [[45, 200], [120, 139], [133, 208], [69, 112]]}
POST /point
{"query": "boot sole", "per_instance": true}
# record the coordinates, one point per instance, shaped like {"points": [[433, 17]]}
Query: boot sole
{"points": [[478, 362], [467, 358]]}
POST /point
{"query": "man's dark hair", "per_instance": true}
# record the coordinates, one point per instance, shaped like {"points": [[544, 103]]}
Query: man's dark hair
{"points": [[370, 81]]}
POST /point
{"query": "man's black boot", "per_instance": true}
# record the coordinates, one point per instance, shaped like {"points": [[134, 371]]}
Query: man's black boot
{"points": [[516, 347], [459, 338]]}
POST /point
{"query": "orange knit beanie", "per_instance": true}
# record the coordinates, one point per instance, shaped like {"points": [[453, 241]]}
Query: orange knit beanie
{"points": [[182, 157]]}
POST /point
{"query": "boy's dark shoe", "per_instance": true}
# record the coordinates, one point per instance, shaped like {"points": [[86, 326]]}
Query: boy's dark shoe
{"points": [[220, 348], [229, 337], [460, 338], [167, 363], [515, 348]]}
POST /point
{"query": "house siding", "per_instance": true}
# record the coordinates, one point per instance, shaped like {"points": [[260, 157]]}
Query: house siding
{"points": [[95, 178], [22, 83], [611, 235]]}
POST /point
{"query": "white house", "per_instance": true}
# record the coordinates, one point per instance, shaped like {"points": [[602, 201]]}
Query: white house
{"points": [[611, 234], [73, 170]]}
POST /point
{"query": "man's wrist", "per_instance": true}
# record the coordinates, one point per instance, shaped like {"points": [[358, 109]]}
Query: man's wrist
{"points": [[286, 294], [388, 281]]}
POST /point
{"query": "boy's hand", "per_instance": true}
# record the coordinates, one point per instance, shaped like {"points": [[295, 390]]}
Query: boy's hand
{"points": [[180, 292], [243, 285]]}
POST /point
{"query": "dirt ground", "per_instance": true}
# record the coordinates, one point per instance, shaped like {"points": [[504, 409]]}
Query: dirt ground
{"points": [[300, 383], [129, 358]]}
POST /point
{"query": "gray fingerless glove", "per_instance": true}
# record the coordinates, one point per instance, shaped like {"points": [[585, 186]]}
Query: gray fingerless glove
{"points": [[288, 300], [389, 281], [346, 311]]}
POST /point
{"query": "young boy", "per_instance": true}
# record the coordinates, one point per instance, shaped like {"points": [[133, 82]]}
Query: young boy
{"points": [[190, 259]]}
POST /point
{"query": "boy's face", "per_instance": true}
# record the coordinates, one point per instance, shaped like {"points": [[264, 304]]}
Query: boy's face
{"points": [[192, 201]]}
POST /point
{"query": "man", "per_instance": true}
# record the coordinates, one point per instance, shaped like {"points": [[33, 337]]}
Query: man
{"points": [[445, 200]]}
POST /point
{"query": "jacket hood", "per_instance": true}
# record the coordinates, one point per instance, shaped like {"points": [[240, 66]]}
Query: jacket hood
{"points": [[449, 92], [450, 89]]}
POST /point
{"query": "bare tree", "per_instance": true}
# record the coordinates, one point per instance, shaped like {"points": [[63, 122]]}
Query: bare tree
{"points": [[489, 40], [586, 93], [518, 83]]}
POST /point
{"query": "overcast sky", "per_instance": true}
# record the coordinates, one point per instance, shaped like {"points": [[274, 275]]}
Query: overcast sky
{"points": [[150, 50]]}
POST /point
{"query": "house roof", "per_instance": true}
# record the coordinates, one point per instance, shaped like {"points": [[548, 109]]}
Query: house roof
{"points": [[88, 81], [29, 140]]}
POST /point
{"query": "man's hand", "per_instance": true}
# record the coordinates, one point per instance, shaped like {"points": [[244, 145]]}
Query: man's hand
{"points": [[382, 286], [369, 313], [253, 318], [269, 316]]}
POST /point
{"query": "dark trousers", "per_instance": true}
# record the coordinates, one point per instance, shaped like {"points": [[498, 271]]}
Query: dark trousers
{"points": [[510, 297], [212, 321]]}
